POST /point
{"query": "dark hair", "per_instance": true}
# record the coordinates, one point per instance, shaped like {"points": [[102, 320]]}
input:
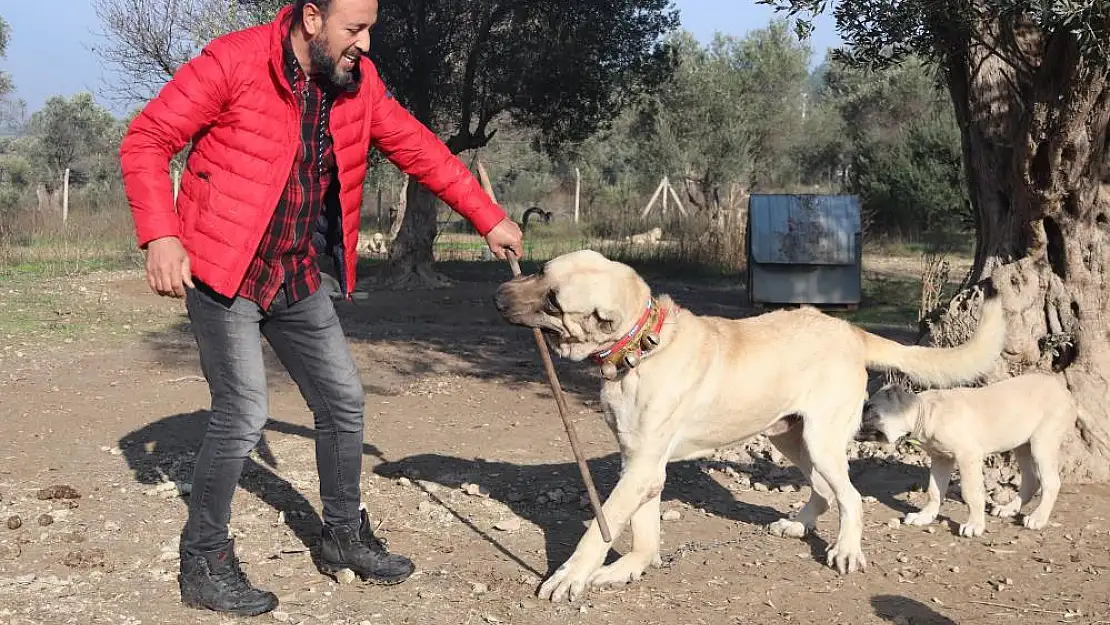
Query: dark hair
{"points": [[298, 8]]}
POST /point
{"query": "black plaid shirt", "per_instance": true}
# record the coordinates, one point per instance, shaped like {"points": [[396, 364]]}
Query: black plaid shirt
{"points": [[286, 255]]}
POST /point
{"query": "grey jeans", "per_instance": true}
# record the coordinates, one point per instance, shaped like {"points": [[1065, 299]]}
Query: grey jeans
{"points": [[309, 341]]}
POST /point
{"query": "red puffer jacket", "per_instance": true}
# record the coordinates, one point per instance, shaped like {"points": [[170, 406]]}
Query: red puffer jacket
{"points": [[234, 104]]}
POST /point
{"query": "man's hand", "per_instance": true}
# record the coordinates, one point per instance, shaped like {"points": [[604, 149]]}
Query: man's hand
{"points": [[506, 236], [167, 267]]}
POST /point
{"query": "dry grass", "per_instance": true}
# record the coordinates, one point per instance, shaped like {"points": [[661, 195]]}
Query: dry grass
{"points": [[37, 243]]}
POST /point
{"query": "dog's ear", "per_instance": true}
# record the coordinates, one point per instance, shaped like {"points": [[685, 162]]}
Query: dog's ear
{"points": [[608, 319]]}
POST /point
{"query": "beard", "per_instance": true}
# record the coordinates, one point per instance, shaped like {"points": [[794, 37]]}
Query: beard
{"points": [[325, 66]]}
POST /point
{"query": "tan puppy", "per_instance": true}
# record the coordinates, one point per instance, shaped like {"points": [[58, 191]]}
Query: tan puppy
{"points": [[1030, 414], [680, 386]]}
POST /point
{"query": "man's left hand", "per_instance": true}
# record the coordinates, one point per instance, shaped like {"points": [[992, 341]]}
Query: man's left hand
{"points": [[505, 237]]}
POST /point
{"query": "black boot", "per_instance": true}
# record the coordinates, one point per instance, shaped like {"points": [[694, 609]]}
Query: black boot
{"points": [[213, 580], [363, 553]]}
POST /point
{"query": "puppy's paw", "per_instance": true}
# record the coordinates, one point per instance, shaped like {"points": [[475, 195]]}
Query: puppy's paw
{"points": [[920, 518], [785, 528], [847, 558], [1007, 510], [972, 530], [567, 582], [1035, 521]]}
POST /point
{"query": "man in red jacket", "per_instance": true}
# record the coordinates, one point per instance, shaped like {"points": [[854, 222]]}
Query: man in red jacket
{"points": [[281, 117]]}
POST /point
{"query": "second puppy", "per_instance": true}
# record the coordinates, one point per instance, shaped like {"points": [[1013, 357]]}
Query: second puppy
{"points": [[1029, 414]]}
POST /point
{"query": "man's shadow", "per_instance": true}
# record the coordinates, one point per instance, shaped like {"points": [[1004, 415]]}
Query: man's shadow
{"points": [[167, 448]]}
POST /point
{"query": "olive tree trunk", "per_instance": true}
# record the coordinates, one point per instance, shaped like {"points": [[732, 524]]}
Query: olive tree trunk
{"points": [[1035, 141], [412, 257]]}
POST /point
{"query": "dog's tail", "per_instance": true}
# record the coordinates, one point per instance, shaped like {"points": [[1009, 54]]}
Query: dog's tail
{"points": [[941, 367]]}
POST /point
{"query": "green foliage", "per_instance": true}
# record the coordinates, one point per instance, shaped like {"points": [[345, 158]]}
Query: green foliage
{"points": [[881, 33], [899, 144], [730, 114], [914, 184], [75, 133]]}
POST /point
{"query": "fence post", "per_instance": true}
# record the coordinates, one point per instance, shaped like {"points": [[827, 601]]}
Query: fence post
{"points": [[65, 198], [577, 192]]}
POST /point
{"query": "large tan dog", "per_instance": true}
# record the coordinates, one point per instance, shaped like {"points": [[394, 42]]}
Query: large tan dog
{"points": [[1030, 414], [700, 383]]}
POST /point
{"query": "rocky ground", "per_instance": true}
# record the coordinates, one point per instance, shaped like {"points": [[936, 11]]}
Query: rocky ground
{"points": [[467, 469]]}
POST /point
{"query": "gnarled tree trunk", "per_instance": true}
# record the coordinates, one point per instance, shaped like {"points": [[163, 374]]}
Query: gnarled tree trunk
{"points": [[1034, 118], [412, 258]]}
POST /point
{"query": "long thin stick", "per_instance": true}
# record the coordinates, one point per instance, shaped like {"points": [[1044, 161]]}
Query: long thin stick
{"points": [[557, 390]]}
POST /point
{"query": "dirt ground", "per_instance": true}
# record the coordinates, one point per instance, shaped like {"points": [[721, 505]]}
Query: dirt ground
{"points": [[468, 470]]}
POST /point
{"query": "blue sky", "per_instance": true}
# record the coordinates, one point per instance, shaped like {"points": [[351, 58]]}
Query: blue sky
{"points": [[50, 48]]}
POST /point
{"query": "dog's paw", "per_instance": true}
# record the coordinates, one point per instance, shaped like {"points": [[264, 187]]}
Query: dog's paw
{"points": [[785, 528], [919, 518], [972, 530], [567, 582], [624, 571], [1008, 510], [1035, 521], [847, 559]]}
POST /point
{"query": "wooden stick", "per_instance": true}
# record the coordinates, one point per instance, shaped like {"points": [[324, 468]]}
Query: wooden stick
{"points": [[1023, 608], [557, 391]]}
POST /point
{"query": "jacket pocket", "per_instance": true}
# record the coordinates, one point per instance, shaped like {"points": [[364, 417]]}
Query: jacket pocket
{"points": [[200, 196]]}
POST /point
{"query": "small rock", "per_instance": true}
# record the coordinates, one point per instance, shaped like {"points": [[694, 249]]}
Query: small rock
{"points": [[14, 522], [345, 576], [404, 481], [510, 524], [280, 616], [425, 506], [45, 519], [58, 491], [478, 588], [955, 569], [474, 490], [894, 523], [671, 515], [870, 499], [86, 559], [760, 487]]}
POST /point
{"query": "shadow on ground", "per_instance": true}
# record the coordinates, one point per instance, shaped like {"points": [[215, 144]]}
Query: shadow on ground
{"points": [[166, 447], [898, 609]]}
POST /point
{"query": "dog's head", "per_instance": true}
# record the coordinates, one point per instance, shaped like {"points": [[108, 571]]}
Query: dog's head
{"points": [[581, 301], [888, 415]]}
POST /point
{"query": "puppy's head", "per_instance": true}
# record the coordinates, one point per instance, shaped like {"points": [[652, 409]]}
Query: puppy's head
{"points": [[582, 301], [888, 415]]}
